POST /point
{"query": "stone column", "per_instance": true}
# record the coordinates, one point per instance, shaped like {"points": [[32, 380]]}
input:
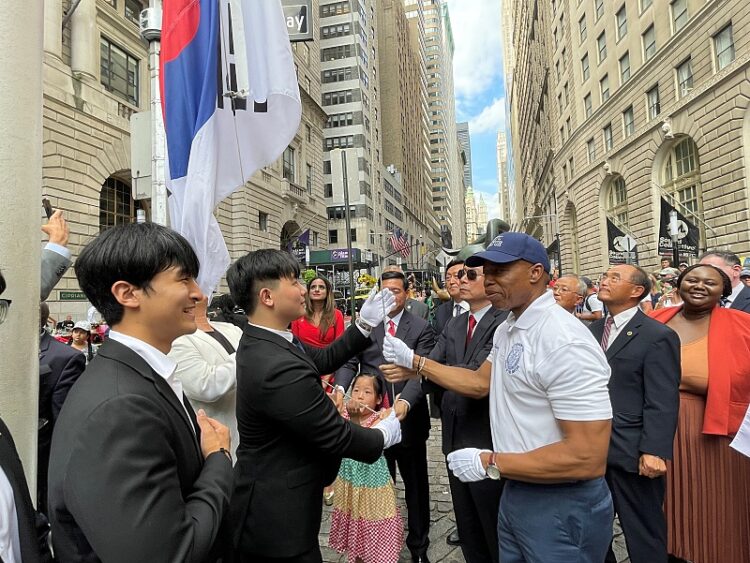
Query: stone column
{"points": [[21, 40], [53, 27], [84, 49]]}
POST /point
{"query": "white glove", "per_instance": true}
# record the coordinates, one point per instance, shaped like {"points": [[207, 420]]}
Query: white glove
{"points": [[466, 465], [391, 429], [395, 351], [377, 306]]}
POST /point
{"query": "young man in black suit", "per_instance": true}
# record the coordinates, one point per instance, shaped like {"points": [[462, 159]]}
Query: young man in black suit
{"points": [[292, 437], [60, 366], [644, 356], [134, 475], [408, 401]]}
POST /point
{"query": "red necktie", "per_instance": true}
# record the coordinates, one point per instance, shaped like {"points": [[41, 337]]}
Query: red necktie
{"points": [[391, 328], [607, 329], [470, 332]]}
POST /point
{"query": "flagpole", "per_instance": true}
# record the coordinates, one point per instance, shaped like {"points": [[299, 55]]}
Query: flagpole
{"points": [[348, 235], [151, 32]]}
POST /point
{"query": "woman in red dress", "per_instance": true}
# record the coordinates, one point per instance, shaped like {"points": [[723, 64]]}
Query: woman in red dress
{"points": [[322, 324]]}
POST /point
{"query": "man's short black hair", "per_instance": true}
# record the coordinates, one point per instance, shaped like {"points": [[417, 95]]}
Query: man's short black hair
{"points": [[248, 274], [135, 253], [640, 277], [729, 257], [454, 262], [393, 275]]}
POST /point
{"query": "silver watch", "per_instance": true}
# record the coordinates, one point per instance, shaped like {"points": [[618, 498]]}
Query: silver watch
{"points": [[493, 471], [363, 325]]}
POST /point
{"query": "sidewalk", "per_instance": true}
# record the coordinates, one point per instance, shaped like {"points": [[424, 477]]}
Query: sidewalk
{"points": [[442, 518]]}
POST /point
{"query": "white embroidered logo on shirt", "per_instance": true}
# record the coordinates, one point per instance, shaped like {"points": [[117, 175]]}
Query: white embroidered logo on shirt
{"points": [[513, 361]]}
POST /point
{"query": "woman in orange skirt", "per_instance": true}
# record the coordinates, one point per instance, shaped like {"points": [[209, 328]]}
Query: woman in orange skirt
{"points": [[708, 483]]}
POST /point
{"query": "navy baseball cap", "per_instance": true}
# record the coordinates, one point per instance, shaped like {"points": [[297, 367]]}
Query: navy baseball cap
{"points": [[510, 247]]}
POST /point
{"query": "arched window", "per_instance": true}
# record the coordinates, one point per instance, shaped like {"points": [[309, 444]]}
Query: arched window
{"points": [[682, 176], [617, 202], [116, 204]]}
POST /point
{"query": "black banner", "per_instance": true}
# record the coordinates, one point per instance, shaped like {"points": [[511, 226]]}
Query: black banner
{"points": [[622, 249], [688, 234]]}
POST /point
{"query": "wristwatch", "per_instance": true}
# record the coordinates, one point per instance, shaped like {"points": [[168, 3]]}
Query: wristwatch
{"points": [[363, 325], [493, 471]]}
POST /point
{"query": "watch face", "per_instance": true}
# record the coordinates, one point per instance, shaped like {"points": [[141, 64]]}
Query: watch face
{"points": [[493, 472]]}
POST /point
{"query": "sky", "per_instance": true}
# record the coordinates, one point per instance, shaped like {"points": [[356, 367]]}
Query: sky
{"points": [[479, 88]]}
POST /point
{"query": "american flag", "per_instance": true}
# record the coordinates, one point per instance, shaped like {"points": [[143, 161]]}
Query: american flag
{"points": [[400, 243]]}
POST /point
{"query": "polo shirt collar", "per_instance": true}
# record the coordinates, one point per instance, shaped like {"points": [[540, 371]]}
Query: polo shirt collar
{"points": [[533, 312]]}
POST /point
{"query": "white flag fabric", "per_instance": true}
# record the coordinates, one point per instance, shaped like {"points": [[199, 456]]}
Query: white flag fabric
{"points": [[231, 105]]}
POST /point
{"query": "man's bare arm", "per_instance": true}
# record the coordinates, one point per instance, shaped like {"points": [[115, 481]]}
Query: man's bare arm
{"points": [[466, 382], [581, 454]]}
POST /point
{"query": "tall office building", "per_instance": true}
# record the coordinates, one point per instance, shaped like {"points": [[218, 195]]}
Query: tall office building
{"points": [[649, 106], [503, 194], [96, 77], [481, 214], [464, 143], [470, 206]]}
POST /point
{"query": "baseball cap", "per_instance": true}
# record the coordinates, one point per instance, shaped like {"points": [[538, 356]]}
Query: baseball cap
{"points": [[83, 325], [745, 273], [669, 272], [511, 247]]}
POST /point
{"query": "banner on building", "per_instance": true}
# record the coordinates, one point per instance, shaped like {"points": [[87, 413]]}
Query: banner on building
{"points": [[622, 248], [688, 235]]}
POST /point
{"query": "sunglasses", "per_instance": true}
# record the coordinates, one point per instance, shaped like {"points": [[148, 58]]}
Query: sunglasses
{"points": [[4, 306], [471, 275]]}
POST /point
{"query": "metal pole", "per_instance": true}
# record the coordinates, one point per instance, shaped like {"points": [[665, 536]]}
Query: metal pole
{"points": [[348, 235], [674, 232]]}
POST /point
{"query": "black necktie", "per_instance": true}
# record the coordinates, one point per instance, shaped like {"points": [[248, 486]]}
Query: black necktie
{"points": [[298, 344]]}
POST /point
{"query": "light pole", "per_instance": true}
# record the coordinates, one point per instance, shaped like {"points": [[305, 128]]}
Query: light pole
{"points": [[674, 231], [552, 216]]}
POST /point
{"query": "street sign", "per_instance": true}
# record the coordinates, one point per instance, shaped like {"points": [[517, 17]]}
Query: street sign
{"points": [[72, 296], [627, 243], [298, 14]]}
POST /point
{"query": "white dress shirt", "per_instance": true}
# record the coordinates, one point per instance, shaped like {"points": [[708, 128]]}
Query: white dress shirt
{"points": [[620, 320], [481, 313], [735, 292], [160, 363], [10, 542]]}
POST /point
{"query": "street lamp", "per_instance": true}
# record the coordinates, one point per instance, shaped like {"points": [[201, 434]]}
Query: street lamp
{"points": [[552, 216], [674, 231]]}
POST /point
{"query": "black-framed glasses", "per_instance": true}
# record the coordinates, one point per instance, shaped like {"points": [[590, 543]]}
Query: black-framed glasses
{"points": [[4, 306], [471, 275]]}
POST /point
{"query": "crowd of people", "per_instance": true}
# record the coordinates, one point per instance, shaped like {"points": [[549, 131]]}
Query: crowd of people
{"points": [[215, 432]]}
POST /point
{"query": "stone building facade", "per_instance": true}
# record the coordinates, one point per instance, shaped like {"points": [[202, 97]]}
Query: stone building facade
{"points": [[649, 100]]}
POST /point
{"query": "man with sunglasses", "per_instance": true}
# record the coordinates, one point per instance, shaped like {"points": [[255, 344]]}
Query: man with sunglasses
{"points": [[644, 355]]}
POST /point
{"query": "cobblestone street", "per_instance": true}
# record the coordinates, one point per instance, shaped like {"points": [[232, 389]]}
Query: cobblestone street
{"points": [[442, 518]]}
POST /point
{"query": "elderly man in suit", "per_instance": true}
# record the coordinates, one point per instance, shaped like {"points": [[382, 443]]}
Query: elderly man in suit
{"points": [[446, 311], [60, 366], [729, 263], [292, 437], [644, 356], [134, 474], [410, 406]]}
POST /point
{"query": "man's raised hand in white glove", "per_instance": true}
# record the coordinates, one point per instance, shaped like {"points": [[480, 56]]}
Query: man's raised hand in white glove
{"points": [[377, 306], [466, 465], [391, 429], [395, 351]]}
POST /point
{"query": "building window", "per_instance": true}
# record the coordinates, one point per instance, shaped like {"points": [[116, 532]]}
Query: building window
{"points": [[625, 68], [262, 221], [333, 236], [682, 175], [566, 95], [604, 88], [587, 106], [608, 139], [679, 14], [622, 23], [617, 202], [328, 190], [652, 101], [645, 4], [354, 234], [308, 133], [601, 44], [309, 178], [567, 127], [559, 102], [133, 9], [628, 122], [649, 43], [591, 150], [119, 71], [724, 47], [684, 78], [562, 135], [599, 8], [116, 204], [571, 168], [289, 164], [585, 69], [582, 27]]}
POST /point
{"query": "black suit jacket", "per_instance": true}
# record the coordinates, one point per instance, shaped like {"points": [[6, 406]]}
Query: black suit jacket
{"points": [[466, 422], [419, 336], [127, 479], [644, 390], [28, 534], [59, 368], [292, 440], [443, 314], [742, 303]]}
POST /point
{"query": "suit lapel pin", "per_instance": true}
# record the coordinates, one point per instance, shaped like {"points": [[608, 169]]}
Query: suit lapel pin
{"points": [[630, 333]]}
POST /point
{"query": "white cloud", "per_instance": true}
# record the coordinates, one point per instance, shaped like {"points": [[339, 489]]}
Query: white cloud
{"points": [[477, 34], [490, 120]]}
